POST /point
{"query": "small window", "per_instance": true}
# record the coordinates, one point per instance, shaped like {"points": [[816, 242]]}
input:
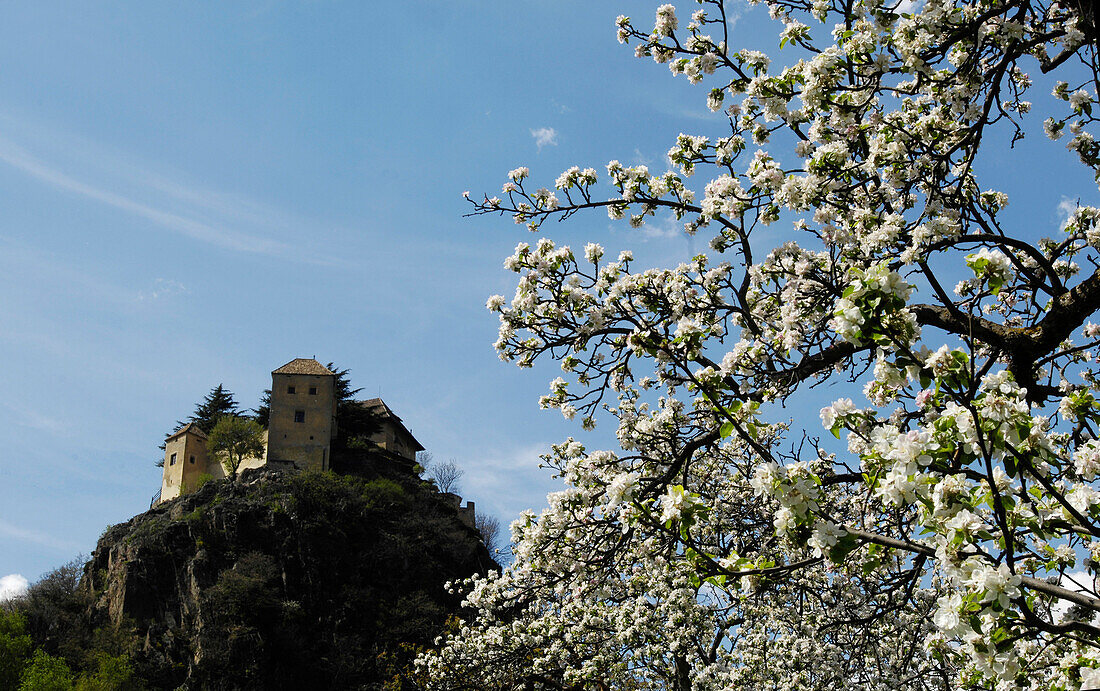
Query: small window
{"points": [[290, 389], [299, 416], [313, 391], [172, 461], [192, 459]]}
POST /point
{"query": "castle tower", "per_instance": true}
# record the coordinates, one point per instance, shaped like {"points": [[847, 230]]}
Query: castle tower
{"points": [[185, 460], [303, 415]]}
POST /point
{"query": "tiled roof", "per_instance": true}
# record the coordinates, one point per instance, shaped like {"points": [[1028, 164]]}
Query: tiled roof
{"points": [[378, 407], [189, 427], [304, 366]]}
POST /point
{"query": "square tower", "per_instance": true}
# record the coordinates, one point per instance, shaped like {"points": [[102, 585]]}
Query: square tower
{"points": [[303, 415], [185, 460]]}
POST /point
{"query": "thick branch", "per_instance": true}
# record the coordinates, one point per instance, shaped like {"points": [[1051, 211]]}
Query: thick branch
{"points": [[1026, 581], [1022, 347]]}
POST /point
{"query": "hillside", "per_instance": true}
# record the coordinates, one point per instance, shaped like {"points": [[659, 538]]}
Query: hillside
{"points": [[312, 580]]}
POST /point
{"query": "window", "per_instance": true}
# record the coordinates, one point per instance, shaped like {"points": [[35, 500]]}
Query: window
{"points": [[313, 391], [192, 459], [172, 461], [290, 389], [299, 416]]}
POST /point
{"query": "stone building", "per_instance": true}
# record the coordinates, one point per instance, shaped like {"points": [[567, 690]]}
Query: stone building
{"points": [[303, 415], [392, 436], [301, 428], [184, 459]]}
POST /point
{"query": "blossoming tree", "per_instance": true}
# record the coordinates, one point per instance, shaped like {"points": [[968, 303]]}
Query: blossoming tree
{"points": [[948, 536]]}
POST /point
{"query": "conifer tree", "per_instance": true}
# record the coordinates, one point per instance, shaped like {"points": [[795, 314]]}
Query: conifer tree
{"points": [[216, 405]]}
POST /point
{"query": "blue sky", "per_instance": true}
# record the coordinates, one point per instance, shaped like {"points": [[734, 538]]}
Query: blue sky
{"points": [[177, 182], [178, 179]]}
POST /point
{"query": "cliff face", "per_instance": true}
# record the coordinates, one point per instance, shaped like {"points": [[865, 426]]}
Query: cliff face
{"points": [[309, 580]]}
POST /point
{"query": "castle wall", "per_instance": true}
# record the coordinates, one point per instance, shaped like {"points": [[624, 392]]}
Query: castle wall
{"points": [[303, 419]]}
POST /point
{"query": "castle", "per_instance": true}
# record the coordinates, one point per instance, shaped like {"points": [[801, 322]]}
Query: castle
{"points": [[301, 427]]}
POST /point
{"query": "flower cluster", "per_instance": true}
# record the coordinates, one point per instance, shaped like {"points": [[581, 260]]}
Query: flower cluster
{"points": [[927, 536]]}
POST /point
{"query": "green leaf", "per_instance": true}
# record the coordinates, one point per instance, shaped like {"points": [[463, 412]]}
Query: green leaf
{"points": [[726, 429], [843, 547]]}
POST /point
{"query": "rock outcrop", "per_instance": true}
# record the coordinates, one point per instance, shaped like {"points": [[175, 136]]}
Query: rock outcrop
{"points": [[284, 580]]}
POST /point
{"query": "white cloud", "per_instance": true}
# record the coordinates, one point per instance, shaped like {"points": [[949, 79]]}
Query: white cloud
{"points": [[545, 136], [1066, 208], [12, 586]]}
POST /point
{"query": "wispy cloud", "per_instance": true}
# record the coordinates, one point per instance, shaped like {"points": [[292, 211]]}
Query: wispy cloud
{"points": [[508, 481], [162, 288], [12, 586], [661, 227], [108, 177], [562, 108], [222, 237], [23, 416], [545, 136], [38, 538]]}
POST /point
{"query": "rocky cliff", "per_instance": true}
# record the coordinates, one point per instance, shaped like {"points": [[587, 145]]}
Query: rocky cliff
{"points": [[311, 580]]}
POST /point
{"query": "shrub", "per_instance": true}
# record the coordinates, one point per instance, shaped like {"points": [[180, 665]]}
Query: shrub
{"points": [[46, 673]]}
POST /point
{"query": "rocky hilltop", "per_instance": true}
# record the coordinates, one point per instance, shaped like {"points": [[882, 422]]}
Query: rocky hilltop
{"points": [[284, 580]]}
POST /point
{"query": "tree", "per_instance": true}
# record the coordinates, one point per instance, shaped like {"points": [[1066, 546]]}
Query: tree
{"points": [[938, 540], [214, 406], [217, 404], [424, 459], [491, 536], [15, 648], [445, 475], [234, 439], [45, 672]]}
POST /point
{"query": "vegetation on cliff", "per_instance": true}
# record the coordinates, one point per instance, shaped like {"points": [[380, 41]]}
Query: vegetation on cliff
{"points": [[311, 580]]}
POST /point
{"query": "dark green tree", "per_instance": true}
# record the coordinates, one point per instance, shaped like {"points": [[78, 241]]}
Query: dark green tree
{"points": [[218, 403], [262, 412], [353, 421], [234, 439]]}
